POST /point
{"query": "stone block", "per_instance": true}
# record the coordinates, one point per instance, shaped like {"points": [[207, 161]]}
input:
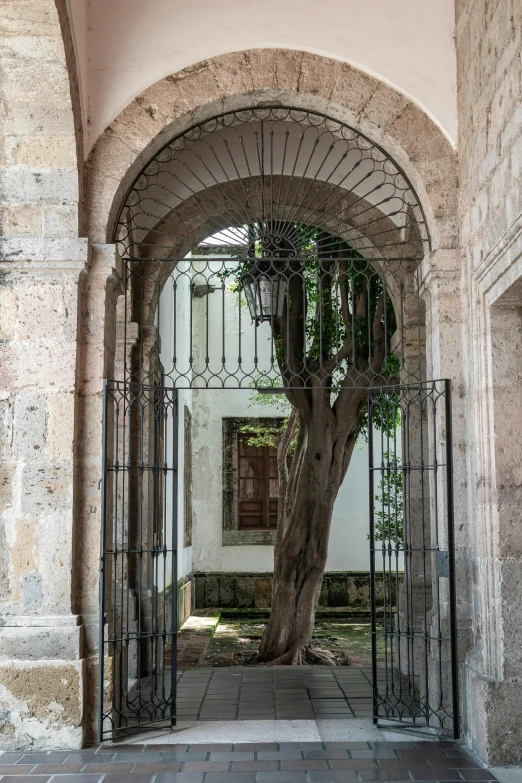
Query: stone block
{"points": [[46, 488], [21, 220], [32, 592], [323, 595], [60, 425], [60, 221], [43, 704], [30, 420], [38, 117], [36, 186], [211, 591], [7, 473], [37, 364], [337, 591], [199, 592], [245, 591], [46, 152], [263, 593], [359, 591], [8, 311], [23, 556], [226, 590], [41, 643]]}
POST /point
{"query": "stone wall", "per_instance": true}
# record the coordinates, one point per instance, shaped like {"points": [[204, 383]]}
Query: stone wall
{"points": [[247, 591], [41, 261], [489, 44]]}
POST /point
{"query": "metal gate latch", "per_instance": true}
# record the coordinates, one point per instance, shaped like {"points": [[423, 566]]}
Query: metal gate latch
{"points": [[442, 563]]}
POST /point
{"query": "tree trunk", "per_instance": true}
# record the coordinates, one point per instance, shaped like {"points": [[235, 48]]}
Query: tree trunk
{"points": [[322, 454]]}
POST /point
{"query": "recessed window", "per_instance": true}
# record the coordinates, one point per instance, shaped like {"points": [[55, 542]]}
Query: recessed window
{"points": [[257, 491]]}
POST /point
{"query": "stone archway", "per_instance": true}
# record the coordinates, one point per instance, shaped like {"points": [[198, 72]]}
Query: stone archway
{"points": [[193, 95]]}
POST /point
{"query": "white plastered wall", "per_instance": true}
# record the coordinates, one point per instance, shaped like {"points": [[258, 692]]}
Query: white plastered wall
{"points": [[123, 46], [348, 546]]}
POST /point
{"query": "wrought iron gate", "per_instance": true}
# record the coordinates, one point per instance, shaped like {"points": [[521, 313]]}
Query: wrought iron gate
{"points": [[414, 635], [138, 558], [276, 249]]}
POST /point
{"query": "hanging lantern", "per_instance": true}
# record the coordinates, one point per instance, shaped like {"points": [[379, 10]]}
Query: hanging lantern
{"points": [[265, 295]]}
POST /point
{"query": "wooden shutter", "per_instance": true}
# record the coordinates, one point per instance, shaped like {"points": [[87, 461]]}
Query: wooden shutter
{"points": [[258, 486]]}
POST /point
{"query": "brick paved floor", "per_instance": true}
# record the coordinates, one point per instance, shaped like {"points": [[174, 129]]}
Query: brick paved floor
{"points": [[312, 762], [264, 693]]}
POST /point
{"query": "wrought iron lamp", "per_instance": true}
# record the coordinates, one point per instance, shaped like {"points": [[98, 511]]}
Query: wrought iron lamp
{"points": [[264, 293]]}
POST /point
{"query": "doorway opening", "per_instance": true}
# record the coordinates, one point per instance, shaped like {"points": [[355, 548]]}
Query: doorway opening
{"points": [[270, 262]]}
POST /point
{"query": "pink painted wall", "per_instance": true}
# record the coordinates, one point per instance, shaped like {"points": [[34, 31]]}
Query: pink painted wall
{"points": [[124, 46]]}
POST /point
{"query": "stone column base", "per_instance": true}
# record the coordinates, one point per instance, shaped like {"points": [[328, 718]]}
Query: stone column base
{"points": [[494, 717], [41, 704]]}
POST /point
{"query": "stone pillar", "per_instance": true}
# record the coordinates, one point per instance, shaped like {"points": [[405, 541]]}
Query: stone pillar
{"points": [[442, 291], [99, 291], [41, 634]]}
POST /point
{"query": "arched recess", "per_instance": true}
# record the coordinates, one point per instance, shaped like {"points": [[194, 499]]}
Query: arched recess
{"points": [[167, 109], [274, 77]]}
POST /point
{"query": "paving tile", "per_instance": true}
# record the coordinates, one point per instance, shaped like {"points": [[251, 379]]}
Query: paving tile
{"points": [[332, 776], [253, 746], [306, 764], [475, 774], [175, 777], [325, 754], [443, 773], [401, 764], [20, 778], [188, 756], [281, 777], [82, 758], [56, 769], [43, 758], [75, 778], [103, 768], [301, 745], [358, 764], [174, 747], [206, 766], [157, 766], [11, 769], [109, 778], [383, 774], [202, 747], [241, 755], [282, 755], [10, 758], [375, 753], [346, 745], [255, 766], [230, 777]]}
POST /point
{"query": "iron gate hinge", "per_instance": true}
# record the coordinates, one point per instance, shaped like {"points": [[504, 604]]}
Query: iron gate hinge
{"points": [[442, 563]]}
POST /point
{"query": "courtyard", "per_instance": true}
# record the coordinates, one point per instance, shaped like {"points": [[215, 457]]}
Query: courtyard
{"points": [[260, 349]]}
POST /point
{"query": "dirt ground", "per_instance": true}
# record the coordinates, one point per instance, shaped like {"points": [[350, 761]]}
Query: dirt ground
{"points": [[218, 638]]}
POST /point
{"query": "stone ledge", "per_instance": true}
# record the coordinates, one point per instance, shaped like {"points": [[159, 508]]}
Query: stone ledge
{"points": [[19, 251], [59, 642]]}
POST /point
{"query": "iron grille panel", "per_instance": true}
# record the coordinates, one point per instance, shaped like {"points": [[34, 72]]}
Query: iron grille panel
{"points": [[138, 559], [412, 559]]}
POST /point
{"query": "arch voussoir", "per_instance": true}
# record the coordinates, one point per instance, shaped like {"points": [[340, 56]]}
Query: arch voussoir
{"points": [[273, 76]]}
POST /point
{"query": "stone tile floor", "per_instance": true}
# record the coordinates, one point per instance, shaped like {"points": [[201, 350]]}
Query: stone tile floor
{"points": [[283, 762], [281, 692]]}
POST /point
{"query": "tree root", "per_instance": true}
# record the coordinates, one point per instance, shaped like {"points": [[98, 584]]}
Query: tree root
{"points": [[304, 656]]}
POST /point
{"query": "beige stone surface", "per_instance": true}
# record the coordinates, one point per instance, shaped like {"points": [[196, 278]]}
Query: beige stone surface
{"points": [[42, 704]]}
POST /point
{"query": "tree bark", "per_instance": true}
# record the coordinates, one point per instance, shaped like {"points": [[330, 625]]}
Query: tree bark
{"points": [[308, 493]]}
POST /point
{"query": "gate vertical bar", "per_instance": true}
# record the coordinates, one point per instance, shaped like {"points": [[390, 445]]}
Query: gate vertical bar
{"points": [[103, 511], [451, 563], [174, 598], [372, 559]]}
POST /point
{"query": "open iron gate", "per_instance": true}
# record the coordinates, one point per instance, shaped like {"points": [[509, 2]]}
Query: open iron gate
{"points": [[413, 600], [138, 601]]}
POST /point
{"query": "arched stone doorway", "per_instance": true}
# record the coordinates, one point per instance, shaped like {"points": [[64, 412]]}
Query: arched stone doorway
{"points": [[157, 225]]}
